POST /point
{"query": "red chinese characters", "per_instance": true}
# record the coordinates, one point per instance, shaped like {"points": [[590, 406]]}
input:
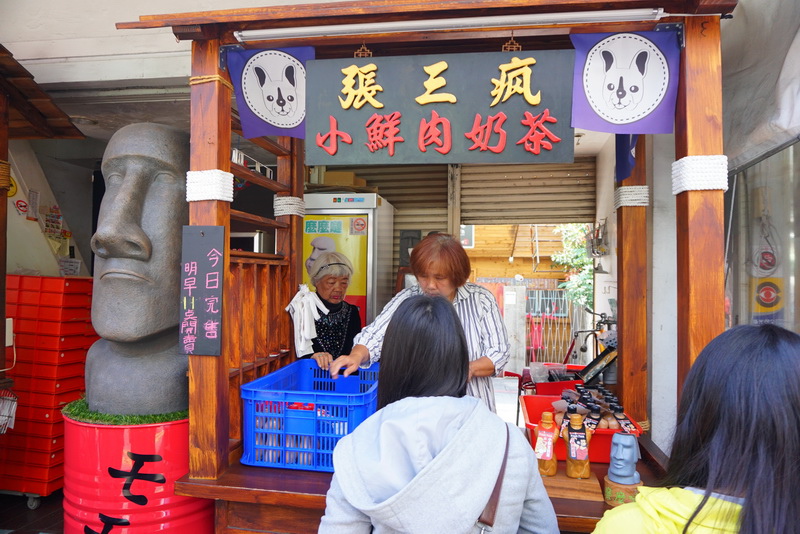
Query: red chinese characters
{"points": [[493, 133]]}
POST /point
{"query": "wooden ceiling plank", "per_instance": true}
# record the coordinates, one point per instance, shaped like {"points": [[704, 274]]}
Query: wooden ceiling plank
{"points": [[372, 11], [17, 100]]}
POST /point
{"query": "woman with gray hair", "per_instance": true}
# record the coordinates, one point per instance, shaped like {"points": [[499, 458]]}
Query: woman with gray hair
{"points": [[330, 275]]}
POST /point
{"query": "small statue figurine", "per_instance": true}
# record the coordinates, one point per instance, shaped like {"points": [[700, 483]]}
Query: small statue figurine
{"points": [[576, 437], [622, 481], [546, 434]]}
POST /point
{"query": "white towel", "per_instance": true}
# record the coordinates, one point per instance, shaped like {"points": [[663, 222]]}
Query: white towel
{"points": [[304, 309]]}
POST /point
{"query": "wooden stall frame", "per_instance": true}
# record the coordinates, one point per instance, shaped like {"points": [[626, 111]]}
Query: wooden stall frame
{"points": [[276, 501]]}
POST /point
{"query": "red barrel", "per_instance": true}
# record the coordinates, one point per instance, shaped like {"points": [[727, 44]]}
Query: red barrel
{"points": [[121, 479]]}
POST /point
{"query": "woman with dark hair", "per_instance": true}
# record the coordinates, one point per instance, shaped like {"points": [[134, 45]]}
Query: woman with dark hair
{"points": [[428, 459], [442, 268], [735, 460]]}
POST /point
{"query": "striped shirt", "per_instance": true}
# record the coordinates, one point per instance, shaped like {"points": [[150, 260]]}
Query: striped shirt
{"points": [[483, 327]]}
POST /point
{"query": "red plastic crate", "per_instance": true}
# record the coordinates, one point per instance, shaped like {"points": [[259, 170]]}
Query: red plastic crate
{"points": [[47, 313], [38, 429], [31, 457], [12, 296], [12, 308], [58, 300], [51, 357], [51, 284], [52, 328], [42, 473], [600, 444], [47, 370], [42, 414], [58, 343], [30, 487], [47, 386], [25, 441], [46, 400], [555, 388]]}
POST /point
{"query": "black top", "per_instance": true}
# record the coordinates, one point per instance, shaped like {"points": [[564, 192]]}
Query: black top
{"points": [[336, 330]]}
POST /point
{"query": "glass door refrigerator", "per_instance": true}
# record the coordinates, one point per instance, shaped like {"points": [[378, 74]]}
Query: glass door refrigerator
{"points": [[360, 226]]}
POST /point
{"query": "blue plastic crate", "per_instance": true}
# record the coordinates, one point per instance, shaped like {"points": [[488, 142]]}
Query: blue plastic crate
{"points": [[295, 416]]}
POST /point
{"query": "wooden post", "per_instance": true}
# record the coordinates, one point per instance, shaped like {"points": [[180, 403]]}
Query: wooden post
{"points": [[632, 319], [289, 241], [699, 214], [208, 375]]}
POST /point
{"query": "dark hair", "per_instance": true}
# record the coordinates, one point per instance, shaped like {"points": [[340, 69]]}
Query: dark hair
{"points": [[738, 430], [424, 352], [444, 254]]}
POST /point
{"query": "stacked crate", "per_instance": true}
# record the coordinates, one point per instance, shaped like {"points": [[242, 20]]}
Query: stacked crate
{"points": [[52, 333]]}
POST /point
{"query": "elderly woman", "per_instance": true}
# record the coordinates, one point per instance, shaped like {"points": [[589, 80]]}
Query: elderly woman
{"points": [[330, 275], [442, 268]]}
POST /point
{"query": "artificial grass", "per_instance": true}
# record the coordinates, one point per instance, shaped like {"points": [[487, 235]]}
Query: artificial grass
{"points": [[78, 410]]}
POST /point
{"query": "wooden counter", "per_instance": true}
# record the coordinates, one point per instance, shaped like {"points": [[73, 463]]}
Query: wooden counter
{"points": [[261, 499]]}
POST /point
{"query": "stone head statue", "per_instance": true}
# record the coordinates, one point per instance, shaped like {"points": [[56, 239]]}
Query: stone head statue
{"points": [[319, 245], [137, 249], [624, 455]]}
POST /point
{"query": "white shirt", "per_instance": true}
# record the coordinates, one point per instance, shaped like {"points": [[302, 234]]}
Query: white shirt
{"points": [[483, 328]]}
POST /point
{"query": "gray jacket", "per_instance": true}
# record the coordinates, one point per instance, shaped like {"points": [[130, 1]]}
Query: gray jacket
{"points": [[428, 465]]}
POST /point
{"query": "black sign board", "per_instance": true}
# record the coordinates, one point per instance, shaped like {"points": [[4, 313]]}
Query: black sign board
{"points": [[494, 107], [201, 289]]}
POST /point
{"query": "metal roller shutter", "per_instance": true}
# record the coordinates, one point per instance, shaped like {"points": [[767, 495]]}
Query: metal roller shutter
{"points": [[528, 194], [418, 193]]}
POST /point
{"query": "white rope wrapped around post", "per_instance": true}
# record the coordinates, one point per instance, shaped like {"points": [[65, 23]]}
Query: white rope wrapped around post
{"points": [[698, 173], [213, 184], [289, 206], [631, 195]]}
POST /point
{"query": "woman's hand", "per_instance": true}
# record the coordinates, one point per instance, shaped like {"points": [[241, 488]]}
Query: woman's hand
{"points": [[323, 359], [349, 363]]}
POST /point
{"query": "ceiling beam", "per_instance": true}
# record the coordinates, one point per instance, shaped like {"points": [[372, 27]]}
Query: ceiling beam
{"points": [[20, 103]]}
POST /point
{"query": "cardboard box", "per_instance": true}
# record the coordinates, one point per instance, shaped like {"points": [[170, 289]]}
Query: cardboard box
{"points": [[342, 178]]}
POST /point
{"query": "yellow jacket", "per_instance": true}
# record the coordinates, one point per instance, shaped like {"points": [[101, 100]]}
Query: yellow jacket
{"points": [[666, 511]]}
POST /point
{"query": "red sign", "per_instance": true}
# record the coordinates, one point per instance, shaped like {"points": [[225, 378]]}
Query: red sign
{"points": [[22, 206]]}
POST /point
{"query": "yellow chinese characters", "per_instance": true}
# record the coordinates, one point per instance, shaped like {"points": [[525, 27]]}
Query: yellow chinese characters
{"points": [[515, 78], [360, 87], [434, 83]]}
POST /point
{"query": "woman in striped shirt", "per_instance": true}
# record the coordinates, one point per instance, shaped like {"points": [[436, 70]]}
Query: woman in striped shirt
{"points": [[442, 268]]}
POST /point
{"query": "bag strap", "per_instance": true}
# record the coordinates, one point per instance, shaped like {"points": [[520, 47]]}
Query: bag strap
{"points": [[486, 520]]}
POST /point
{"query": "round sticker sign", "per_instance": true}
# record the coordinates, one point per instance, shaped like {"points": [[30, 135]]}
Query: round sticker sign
{"points": [[21, 206], [625, 78], [359, 224], [274, 87], [768, 294]]}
